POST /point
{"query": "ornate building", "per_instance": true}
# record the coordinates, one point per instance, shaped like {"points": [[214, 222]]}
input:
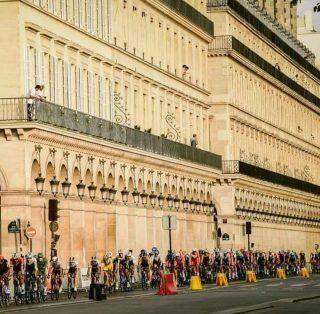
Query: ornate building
{"points": [[128, 83]]}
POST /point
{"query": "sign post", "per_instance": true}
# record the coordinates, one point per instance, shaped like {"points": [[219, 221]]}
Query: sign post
{"points": [[169, 223], [30, 233]]}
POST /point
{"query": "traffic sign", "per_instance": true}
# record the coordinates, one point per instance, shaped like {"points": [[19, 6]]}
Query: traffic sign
{"points": [[31, 232], [169, 226], [13, 227], [54, 226]]}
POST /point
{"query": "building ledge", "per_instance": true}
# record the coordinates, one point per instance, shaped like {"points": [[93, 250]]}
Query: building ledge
{"points": [[15, 109]]}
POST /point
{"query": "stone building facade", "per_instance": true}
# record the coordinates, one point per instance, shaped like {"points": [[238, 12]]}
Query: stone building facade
{"points": [[128, 83]]}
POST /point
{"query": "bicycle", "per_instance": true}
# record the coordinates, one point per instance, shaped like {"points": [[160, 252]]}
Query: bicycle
{"points": [[72, 292], [4, 291], [41, 288], [31, 288], [109, 282], [144, 279], [55, 287], [18, 295]]}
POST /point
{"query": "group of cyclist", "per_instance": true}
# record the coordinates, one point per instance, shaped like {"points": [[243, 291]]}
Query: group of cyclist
{"points": [[33, 274], [118, 273]]}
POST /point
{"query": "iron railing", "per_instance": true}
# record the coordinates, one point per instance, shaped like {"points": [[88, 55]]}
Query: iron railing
{"points": [[70, 119], [190, 13], [268, 32], [230, 42], [240, 167]]}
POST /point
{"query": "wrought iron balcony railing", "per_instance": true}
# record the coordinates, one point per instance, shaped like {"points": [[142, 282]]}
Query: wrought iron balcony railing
{"points": [[240, 167], [15, 109], [190, 13], [231, 43], [274, 33]]}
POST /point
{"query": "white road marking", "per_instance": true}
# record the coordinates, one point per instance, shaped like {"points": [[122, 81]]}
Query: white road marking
{"points": [[299, 285]]}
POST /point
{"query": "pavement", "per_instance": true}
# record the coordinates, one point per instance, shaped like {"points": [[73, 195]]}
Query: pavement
{"points": [[294, 295]]}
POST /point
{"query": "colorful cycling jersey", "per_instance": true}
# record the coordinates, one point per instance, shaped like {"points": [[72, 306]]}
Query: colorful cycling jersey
{"points": [[127, 263], [56, 268], [30, 268], [72, 269], [156, 261], [194, 260], [144, 262], [107, 264], [94, 266], [4, 267], [17, 264], [42, 264], [206, 260]]}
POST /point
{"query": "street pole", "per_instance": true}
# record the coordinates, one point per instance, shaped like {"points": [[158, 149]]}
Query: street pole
{"points": [[249, 242], [170, 240], [20, 236]]}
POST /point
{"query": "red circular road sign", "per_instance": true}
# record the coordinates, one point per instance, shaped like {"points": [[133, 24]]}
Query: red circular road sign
{"points": [[31, 232]]}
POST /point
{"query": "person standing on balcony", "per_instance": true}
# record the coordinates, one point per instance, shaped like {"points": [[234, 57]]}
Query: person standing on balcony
{"points": [[34, 94], [194, 141], [185, 71]]}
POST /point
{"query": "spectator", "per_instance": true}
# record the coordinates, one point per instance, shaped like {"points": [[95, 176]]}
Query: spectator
{"points": [[194, 141], [185, 70], [36, 93]]}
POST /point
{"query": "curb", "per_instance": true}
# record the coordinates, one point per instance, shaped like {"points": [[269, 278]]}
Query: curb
{"points": [[306, 298]]}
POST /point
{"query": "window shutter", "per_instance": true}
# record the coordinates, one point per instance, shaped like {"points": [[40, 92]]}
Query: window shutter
{"points": [[27, 68]]}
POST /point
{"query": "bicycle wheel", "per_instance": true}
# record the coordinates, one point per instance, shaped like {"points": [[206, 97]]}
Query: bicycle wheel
{"points": [[74, 294]]}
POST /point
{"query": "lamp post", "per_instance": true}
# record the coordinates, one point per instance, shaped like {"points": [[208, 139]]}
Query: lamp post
{"points": [[112, 193], [161, 200], [176, 203], [185, 204], [54, 184], [144, 198], [192, 204], [136, 196], [170, 201], [39, 183], [92, 191], [104, 192], [81, 188], [152, 197], [66, 188], [125, 195]]}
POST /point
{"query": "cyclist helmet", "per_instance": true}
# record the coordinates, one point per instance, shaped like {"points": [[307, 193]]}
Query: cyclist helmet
{"points": [[154, 249], [94, 258], [177, 255], [15, 255], [40, 255], [28, 255], [109, 254], [143, 252], [194, 250], [54, 259], [128, 254]]}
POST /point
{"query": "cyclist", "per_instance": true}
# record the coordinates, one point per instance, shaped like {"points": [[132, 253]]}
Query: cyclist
{"points": [[144, 264], [5, 274], [156, 259], [179, 267], [116, 267], [42, 265], [17, 264], [30, 272], [95, 270], [56, 272], [170, 262], [107, 269], [73, 272], [128, 267], [194, 262]]}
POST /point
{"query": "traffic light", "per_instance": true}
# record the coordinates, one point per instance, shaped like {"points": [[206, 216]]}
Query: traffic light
{"points": [[248, 227], [53, 210], [219, 233]]}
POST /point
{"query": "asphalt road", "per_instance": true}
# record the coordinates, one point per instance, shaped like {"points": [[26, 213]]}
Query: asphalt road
{"points": [[294, 295]]}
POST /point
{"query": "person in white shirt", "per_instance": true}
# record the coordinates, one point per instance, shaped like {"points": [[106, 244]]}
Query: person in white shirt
{"points": [[36, 93]]}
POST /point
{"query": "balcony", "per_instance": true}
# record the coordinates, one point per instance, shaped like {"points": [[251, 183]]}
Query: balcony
{"points": [[240, 167], [271, 30], [191, 14], [15, 109], [230, 43]]}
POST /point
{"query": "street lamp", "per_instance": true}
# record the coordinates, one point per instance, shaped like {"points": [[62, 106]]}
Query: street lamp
{"points": [[144, 198], [66, 188], [112, 193], [185, 204], [54, 184], [170, 201], [198, 205], [125, 195], [104, 192], [152, 197], [205, 206], [39, 183], [92, 191], [135, 195], [81, 187], [192, 204], [161, 200], [211, 208], [176, 203]]}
